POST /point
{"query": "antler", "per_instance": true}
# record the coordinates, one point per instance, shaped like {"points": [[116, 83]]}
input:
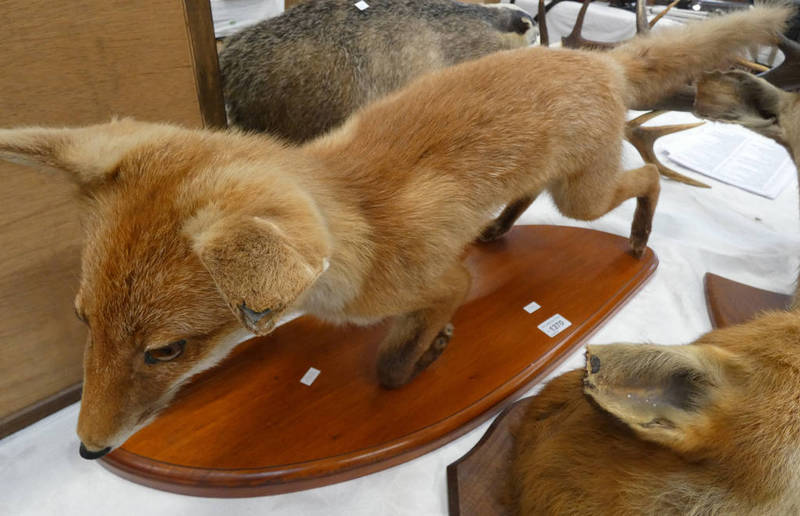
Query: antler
{"points": [[641, 18], [544, 38], [751, 66], [575, 40], [644, 138], [658, 16]]}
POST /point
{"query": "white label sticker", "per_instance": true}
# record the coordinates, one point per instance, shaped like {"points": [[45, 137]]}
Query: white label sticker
{"points": [[531, 307], [361, 5], [310, 376], [554, 325]]}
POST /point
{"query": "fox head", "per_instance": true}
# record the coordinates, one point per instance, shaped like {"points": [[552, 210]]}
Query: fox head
{"points": [[745, 99], [193, 240], [729, 398]]}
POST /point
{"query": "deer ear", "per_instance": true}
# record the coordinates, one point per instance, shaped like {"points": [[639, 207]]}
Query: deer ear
{"points": [[660, 392], [740, 98], [255, 265], [87, 154]]}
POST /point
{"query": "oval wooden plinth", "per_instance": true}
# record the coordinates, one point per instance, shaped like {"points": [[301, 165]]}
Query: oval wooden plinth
{"points": [[249, 427], [730, 302]]}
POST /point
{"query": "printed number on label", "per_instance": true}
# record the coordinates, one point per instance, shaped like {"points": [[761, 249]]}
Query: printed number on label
{"points": [[554, 325]]}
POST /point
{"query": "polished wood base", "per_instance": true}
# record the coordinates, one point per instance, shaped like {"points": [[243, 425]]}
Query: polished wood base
{"points": [[730, 302], [249, 427]]}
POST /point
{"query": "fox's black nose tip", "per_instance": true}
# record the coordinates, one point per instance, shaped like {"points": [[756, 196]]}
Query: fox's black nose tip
{"points": [[91, 455]]}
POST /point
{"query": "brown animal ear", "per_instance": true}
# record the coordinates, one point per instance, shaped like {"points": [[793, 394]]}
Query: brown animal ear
{"points": [[740, 98], [661, 392], [87, 154], [255, 265]]}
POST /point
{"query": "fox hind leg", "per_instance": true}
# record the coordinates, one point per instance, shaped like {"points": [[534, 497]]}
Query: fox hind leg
{"points": [[417, 338], [502, 224], [587, 196]]}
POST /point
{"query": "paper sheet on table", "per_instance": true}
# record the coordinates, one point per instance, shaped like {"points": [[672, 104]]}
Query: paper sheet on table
{"points": [[734, 155]]}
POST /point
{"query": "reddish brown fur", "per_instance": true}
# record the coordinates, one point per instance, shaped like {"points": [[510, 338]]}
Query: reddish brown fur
{"points": [[586, 448], [190, 231]]}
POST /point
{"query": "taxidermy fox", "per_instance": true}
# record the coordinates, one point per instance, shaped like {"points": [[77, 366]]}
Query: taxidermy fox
{"points": [[708, 428], [193, 234], [304, 72]]}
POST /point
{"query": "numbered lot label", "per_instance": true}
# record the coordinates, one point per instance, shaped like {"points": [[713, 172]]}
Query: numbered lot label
{"points": [[554, 325]]}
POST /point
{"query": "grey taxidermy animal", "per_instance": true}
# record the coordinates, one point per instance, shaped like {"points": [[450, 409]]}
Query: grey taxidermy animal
{"points": [[304, 72]]}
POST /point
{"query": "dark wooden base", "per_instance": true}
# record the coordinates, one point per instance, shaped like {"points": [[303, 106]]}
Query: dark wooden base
{"points": [[730, 302], [249, 427], [476, 482]]}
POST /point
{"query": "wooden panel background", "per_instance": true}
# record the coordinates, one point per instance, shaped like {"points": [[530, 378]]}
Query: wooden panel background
{"points": [[74, 63]]}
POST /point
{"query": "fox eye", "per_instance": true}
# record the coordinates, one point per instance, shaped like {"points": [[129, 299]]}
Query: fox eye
{"points": [[164, 353]]}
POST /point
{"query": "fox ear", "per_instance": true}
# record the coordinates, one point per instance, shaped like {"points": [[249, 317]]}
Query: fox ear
{"points": [[741, 98], [87, 154], [254, 264], [661, 392]]}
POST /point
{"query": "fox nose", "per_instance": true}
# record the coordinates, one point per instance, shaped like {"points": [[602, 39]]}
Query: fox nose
{"points": [[91, 455]]}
